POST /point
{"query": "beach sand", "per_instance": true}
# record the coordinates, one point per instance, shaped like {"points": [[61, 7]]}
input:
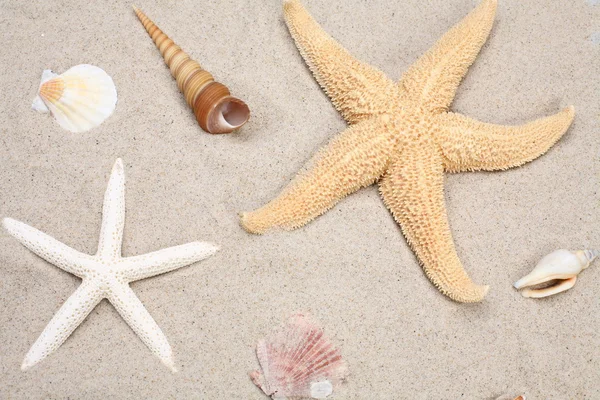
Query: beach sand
{"points": [[351, 268]]}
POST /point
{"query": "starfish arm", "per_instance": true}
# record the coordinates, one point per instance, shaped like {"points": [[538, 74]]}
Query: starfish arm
{"points": [[413, 191], [165, 260], [113, 214], [470, 145], [356, 89], [432, 80], [354, 159], [65, 321], [48, 248], [139, 319]]}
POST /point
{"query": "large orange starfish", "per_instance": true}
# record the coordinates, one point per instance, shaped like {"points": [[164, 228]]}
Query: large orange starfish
{"points": [[402, 135]]}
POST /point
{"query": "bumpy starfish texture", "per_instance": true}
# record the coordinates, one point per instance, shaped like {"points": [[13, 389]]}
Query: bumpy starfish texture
{"points": [[403, 136], [105, 275]]}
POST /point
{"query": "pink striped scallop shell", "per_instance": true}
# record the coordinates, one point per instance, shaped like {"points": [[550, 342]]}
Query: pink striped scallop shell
{"points": [[298, 362]]}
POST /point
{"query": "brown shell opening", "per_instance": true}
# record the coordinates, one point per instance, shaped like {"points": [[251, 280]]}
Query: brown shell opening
{"points": [[234, 112], [219, 112]]}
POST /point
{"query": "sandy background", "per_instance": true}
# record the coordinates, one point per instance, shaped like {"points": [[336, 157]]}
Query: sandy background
{"points": [[351, 268]]}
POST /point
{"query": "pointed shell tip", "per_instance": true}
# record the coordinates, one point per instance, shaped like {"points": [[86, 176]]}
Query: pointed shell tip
{"points": [[518, 284]]}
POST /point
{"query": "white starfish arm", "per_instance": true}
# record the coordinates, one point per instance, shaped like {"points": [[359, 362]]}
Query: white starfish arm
{"points": [[48, 248], [354, 159], [432, 80], [356, 89], [113, 214], [139, 319], [65, 321], [165, 260]]}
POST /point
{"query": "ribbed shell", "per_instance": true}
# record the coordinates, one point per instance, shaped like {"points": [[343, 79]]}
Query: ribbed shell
{"points": [[80, 99], [298, 362], [215, 109]]}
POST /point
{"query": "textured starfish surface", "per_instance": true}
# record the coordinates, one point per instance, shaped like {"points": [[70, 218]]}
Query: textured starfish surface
{"points": [[105, 275], [402, 135]]}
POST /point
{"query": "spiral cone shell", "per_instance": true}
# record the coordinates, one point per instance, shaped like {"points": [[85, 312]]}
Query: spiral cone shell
{"points": [[215, 109]]}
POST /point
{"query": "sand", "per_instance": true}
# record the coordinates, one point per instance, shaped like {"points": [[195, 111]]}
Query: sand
{"points": [[350, 268]]}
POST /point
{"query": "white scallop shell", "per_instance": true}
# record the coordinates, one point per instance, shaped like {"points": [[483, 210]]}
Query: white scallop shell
{"points": [[298, 362], [559, 269], [80, 99]]}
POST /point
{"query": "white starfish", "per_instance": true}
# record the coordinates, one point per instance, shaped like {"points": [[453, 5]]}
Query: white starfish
{"points": [[105, 275]]}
